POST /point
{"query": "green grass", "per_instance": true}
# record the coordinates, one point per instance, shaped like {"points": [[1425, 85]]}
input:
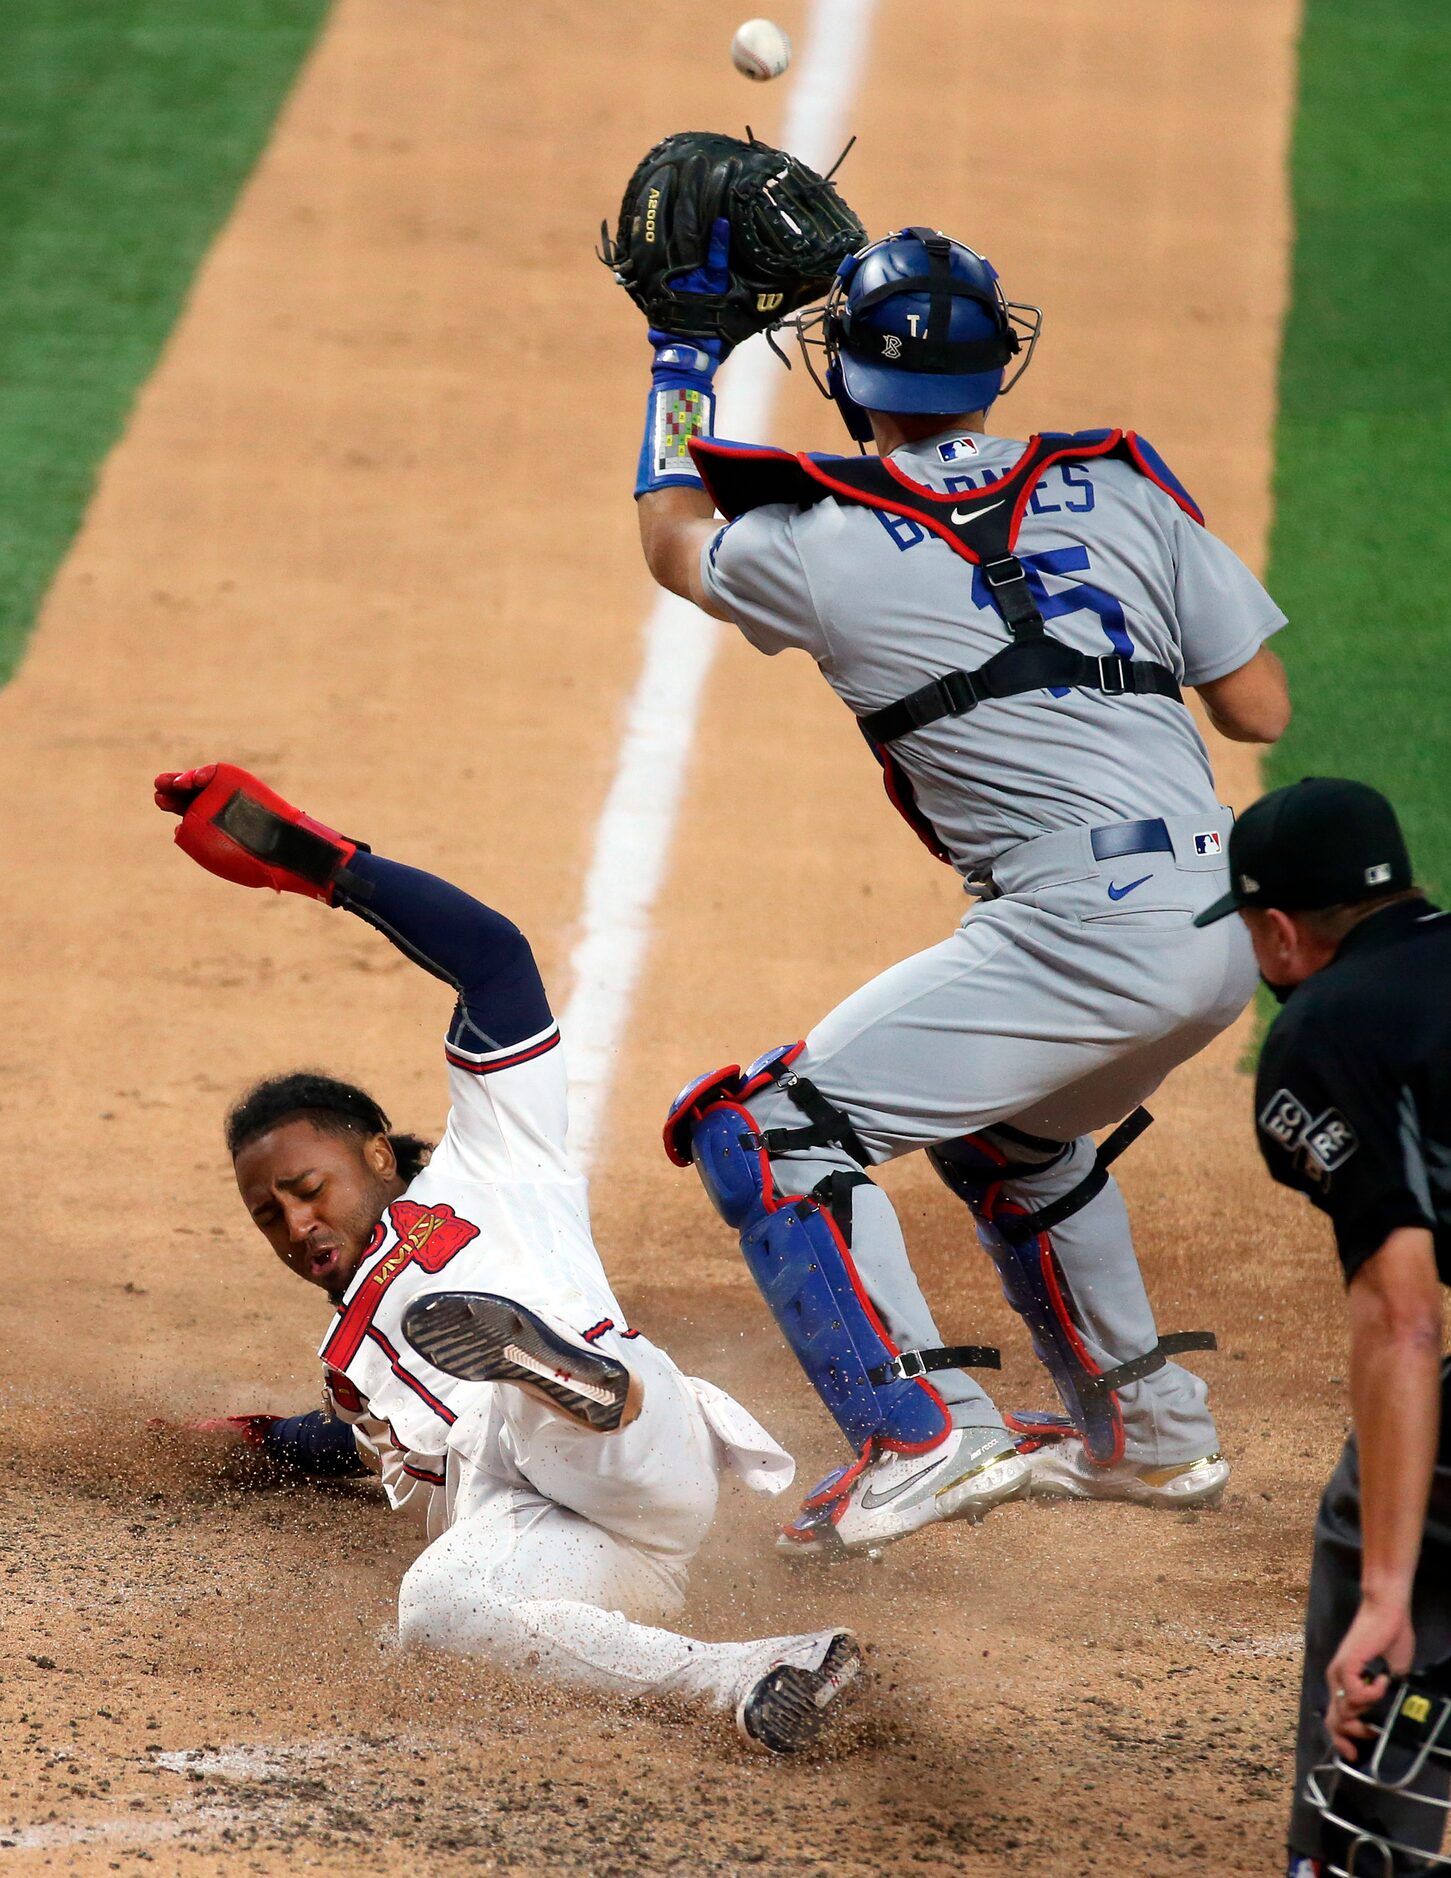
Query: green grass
{"points": [[1361, 547], [126, 130]]}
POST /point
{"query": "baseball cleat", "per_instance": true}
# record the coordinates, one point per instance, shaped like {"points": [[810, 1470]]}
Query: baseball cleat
{"points": [[1061, 1470], [877, 1501], [488, 1339], [784, 1707]]}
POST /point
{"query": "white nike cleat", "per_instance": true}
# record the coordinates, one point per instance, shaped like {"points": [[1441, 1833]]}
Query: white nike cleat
{"points": [[787, 1700], [1061, 1470], [484, 1338], [875, 1502]]}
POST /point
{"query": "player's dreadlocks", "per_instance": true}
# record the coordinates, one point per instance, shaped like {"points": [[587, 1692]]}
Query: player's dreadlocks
{"points": [[338, 1108]]}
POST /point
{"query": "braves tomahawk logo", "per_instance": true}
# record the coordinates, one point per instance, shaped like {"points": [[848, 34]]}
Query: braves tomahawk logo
{"points": [[428, 1237]]}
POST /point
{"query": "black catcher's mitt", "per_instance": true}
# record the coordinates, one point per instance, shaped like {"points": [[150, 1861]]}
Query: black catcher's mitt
{"points": [[789, 232]]}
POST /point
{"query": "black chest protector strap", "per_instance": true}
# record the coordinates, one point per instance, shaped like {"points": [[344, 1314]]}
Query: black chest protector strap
{"points": [[982, 526]]}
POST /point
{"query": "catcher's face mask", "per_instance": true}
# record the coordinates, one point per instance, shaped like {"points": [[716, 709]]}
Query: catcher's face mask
{"points": [[917, 323], [1403, 1775]]}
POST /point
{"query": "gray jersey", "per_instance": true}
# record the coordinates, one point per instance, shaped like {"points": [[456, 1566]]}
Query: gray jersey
{"points": [[883, 605]]}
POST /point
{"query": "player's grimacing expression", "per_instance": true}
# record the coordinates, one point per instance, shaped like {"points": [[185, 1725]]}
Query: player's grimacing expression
{"points": [[316, 1196]]}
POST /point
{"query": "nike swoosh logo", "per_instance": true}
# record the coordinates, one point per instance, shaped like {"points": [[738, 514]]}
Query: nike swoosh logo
{"points": [[1117, 893], [871, 1499], [972, 514]]}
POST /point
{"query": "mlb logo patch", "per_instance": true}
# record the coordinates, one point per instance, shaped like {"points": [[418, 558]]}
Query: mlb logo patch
{"points": [[1209, 843], [956, 449]]}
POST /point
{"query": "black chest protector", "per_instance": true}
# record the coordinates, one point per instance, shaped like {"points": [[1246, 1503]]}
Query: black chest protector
{"points": [[982, 526]]}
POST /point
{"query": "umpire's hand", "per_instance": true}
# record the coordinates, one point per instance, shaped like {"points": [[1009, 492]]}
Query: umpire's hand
{"points": [[1380, 1635]]}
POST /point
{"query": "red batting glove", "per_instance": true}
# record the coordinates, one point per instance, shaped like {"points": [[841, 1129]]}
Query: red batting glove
{"points": [[237, 828]]}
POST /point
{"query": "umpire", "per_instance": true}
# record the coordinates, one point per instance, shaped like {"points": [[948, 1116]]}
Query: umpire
{"points": [[1353, 1107]]}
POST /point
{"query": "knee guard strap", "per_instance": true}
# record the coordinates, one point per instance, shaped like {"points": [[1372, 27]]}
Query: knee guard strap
{"points": [[1019, 1244], [797, 1247]]}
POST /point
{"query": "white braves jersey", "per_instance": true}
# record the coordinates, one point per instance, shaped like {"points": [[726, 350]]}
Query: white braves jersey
{"points": [[883, 605], [499, 1208]]}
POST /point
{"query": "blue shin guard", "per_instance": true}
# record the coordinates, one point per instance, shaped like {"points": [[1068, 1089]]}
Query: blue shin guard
{"points": [[800, 1256], [975, 1168]]}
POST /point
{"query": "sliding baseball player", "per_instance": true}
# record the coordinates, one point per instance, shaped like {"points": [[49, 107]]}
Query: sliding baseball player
{"points": [[566, 1471]]}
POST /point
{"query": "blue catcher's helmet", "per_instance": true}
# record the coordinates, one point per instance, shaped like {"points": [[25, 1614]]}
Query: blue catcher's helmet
{"points": [[917, 323]]}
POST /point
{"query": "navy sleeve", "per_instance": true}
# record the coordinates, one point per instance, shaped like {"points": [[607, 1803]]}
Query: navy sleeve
{"points": [[313, 1444], [484, 956]]}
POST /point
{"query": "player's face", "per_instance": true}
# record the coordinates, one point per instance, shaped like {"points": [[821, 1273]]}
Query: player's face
{"points": [[316, 1197]]}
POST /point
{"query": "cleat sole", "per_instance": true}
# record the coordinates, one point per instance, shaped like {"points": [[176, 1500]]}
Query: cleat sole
{"points": [[481, 1338], [788, 1708]]}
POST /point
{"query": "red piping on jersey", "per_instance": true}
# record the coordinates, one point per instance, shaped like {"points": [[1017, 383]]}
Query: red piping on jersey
{"points": [[962, 498], [422, 1473], [702, 451], [1182, 496], [346, 1337], [488, 1067], [345, 1393], [440, 1409]]}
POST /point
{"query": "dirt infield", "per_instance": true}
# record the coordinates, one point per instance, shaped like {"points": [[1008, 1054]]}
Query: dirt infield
{"points": [[369, 533]]}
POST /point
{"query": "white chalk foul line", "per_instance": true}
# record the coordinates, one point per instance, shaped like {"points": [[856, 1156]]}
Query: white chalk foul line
{"points": [[202, 1818], [636, 826]]}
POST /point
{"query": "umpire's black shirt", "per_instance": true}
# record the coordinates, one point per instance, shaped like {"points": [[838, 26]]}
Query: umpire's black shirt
{"points": [[1353, 1097]]}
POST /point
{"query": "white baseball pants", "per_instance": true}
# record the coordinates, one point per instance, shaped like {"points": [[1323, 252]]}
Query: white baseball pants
{"points": [[565, 1548]]}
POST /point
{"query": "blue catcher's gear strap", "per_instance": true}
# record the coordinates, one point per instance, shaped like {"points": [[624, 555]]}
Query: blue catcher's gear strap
{"points": [[931, 351], [1038, 1291], [680, 409], [856, 419]]}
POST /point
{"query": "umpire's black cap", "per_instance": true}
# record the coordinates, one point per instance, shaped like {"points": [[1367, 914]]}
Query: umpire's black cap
{"points": [[1319, 842]]}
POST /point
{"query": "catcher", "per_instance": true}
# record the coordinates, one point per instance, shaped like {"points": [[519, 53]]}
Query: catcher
{"points": [[564, 1469], [1012, 625]]}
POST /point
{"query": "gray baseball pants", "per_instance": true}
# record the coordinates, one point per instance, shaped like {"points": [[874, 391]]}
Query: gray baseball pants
{"points": [[1056, 1007]]}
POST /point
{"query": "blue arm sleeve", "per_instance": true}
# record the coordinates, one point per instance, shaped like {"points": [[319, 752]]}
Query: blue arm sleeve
{"points": [[484, 956], [313, 1444]]}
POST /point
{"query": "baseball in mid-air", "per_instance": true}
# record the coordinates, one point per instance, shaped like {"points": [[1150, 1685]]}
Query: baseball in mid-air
{"points": [[760, 49]]}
